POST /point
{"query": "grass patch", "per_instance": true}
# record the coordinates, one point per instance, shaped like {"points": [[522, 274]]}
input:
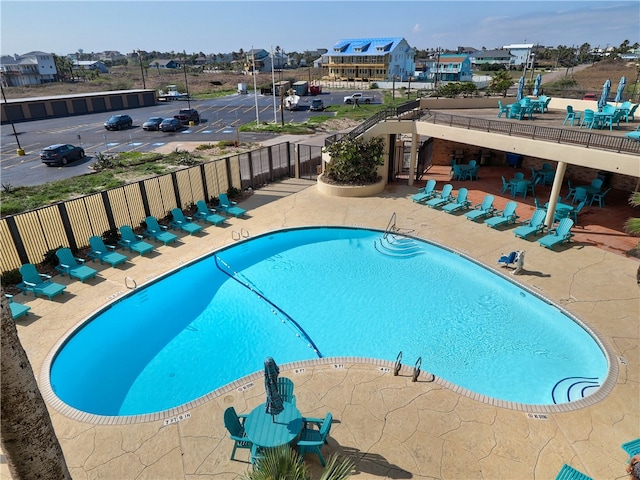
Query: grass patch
{"points": [[287, 128]]}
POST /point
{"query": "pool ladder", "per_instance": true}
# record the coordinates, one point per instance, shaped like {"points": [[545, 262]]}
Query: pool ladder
{"points": [[243, 233], [416, 367]]}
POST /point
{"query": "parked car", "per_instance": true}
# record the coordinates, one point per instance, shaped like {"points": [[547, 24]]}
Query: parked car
{"points": [[589, 96], [60, 154], [317, 105], [171, 125], [118, 122], [187, 115], [152, 124]]}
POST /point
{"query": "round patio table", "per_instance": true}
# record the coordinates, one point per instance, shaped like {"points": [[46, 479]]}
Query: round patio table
{"points": [[265, 430]]}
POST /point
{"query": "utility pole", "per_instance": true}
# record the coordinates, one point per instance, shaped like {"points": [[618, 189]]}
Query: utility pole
{"points": [[19, 151], [144, 84], [184, 67]]}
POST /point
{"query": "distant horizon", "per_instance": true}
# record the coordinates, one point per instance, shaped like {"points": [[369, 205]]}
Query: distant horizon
{"points": [[212, 27]]}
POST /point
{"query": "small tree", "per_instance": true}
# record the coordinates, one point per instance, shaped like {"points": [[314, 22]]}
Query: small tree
{"points": [[355, 161], [500, 82]]}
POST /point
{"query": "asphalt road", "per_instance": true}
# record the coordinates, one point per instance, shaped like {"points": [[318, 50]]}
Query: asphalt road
{"points": [[220, 119]]}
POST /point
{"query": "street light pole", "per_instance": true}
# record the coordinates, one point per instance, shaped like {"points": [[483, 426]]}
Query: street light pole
{"points": [[184, 67], [19, 151]]}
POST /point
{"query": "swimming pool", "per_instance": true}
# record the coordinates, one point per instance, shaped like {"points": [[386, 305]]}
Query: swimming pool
{"points": [[305, 293]]}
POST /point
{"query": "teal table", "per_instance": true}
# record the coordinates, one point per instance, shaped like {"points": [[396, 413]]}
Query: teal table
{"points": [[267, 431]]}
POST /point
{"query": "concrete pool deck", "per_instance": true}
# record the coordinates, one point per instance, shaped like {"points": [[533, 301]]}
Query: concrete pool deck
{"points": [[389, 426]]}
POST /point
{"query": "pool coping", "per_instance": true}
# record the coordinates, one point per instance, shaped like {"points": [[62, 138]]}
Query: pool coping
{"points": [[248, 381]]}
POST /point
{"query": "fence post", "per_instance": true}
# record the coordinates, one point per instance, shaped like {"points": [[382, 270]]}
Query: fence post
{"points": [[176, 189], [66, 224]]}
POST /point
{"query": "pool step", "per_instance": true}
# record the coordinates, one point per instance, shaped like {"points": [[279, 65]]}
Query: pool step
{"points": [[570, 389], [397, 246]]}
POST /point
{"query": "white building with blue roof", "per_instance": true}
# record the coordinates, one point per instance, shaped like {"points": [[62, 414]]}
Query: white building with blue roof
{"points": [[371, 59]]}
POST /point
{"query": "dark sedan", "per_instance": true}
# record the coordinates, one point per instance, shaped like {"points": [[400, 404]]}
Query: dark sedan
{"points": [[60, 154], [171, 125], [152, 124], [118, 122]]}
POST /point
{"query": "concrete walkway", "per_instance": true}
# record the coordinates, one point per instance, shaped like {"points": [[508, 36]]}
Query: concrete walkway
{"points": [[391, 427]]}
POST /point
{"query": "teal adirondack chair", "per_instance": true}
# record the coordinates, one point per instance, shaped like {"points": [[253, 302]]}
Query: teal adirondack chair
{"points": [[534, 225], [229, 207], [38, 283], [235, 427], [207, 214], [17, 309], [285, 389], [133, 242], [158, 232], [558, 235], [72, 266], [104, 253], [183, 223], [508, 215], [312, 439]]}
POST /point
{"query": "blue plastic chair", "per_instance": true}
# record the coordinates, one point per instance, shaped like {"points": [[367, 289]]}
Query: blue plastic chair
{"points": [[133, 242], [158, 232], [183, 223], [579, 195], [425, 193], [632, 447], [312, 440], [502, 109], [38, 283], [17, 309], [505, 217], [534, 225], [230, 207], [567, 472], [558, 235], [521, 188], [571, 116], [236, 431], [285, 389], [599, 197], [443, 198], [72, 266], [574, 213], [588, 119], [507, 260]]}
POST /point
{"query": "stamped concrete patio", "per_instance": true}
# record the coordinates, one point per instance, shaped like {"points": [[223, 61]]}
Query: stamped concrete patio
{"points": [[391, 427]]}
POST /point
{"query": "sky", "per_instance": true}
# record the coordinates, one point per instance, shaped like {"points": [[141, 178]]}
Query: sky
{"points": [[211, 26]]}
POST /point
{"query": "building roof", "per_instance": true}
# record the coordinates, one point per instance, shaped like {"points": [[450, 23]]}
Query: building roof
{"points": [[492, 54], [365, 46], [451, 57], [518, 45]]}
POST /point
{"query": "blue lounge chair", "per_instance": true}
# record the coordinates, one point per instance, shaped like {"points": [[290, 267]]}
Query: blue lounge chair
{"points": [[507, 260], [558, 235], [312, 439], [207, 214], [481, 210], [38, 283], [444, 197], [230, 207], [183, 223], [17, 309], [104, 253], [233, 424], [506, 216], [426, 193], [158, 232], [632, 447], [599, 197], [534, 225], [635, 135], [460, 203], [72, 266], [285, 389], [569, 473], [133, 242]]}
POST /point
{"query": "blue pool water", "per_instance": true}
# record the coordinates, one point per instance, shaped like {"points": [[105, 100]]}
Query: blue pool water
{"points": [[348, 292]]}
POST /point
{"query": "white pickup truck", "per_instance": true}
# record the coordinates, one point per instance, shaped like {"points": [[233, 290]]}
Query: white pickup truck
{"points": [[359, 97]]}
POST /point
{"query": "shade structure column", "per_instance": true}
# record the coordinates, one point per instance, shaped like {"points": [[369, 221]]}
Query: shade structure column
{"points": [[555, 192], [414, 158]]}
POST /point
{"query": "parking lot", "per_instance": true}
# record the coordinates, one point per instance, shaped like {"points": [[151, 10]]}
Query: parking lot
{"points": [[220, 119]]}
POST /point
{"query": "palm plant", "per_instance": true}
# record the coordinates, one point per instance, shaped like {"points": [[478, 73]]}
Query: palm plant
{"points": [[632, 225], [284, 463]]}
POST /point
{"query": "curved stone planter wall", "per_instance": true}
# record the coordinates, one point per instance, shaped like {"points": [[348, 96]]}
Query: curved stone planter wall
{"points": [[350, 191]]}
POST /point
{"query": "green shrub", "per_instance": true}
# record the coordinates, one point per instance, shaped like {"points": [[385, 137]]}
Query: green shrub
{"points": [[233, 193], [11, 277], [355, 161]]}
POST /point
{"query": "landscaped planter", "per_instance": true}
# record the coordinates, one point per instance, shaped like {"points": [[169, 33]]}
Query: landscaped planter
{"points": [[350, 190]]}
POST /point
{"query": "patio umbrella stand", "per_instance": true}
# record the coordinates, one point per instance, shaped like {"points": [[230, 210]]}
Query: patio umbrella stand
{"points": [[274, 404]]}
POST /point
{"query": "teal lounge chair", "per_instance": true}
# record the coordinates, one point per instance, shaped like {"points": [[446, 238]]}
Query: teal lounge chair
{"points": [[534, 225], [183, 223], [235, 426], [72, 266], [569, 473], [207, 214], [17, 309], [481, 210], [311, 439], [632, 447], [133, 242], [460, 203], [505, 217], [104, 253], [444, 197], [38, 283], [558, 235], [158, 232], [229, 207], [635, 135], [285, 389], [427, 193]]}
